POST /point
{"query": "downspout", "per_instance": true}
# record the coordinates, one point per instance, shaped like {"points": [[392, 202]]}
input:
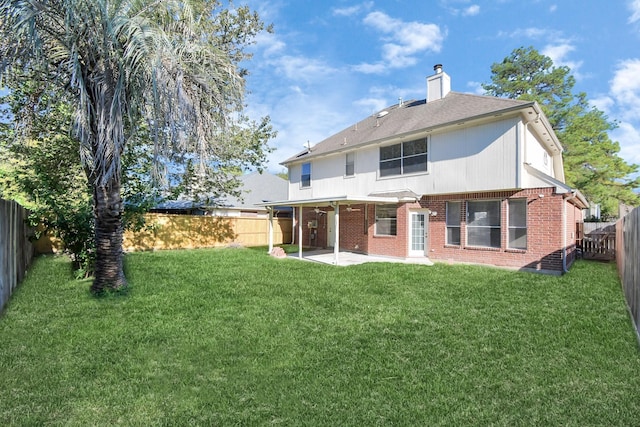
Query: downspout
{"points": [[574, 194]]}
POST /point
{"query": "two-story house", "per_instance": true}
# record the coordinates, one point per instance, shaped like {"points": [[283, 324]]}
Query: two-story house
{"points": [[455, 177]]}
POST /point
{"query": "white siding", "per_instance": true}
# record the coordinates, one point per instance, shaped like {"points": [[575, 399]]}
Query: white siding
{"points": [[474, 159], [535, 154], [466, 159]]}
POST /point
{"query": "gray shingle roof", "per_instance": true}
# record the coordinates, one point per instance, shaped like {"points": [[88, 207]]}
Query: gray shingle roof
{"points": [[258, 188], [255, 188], [412, 116]]}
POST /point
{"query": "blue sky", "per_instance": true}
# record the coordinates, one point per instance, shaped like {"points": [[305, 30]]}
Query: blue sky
{"points": [[331, 63]]}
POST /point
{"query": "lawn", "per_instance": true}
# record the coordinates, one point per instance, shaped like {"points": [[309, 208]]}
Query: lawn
{"points": [[235, 337]]}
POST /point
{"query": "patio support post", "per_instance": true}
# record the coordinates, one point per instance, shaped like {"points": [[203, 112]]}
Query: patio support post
{"points": [[299, 232], [270, 209], [336, 243]]}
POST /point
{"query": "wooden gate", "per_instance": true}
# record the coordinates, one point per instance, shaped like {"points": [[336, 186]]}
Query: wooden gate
{"points": [[600, 244]]}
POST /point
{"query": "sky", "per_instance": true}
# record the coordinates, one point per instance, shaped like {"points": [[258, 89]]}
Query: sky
{"points": [[331, 63]]}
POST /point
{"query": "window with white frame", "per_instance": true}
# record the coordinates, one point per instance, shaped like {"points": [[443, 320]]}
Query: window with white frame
{"points": [[350, 161], [305, 177], [404, 158], [453, 223], [386, 220], [518, 224], [483, 223]]}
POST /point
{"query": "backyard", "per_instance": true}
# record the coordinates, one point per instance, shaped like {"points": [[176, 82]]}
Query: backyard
{"points": [[235, 337]]}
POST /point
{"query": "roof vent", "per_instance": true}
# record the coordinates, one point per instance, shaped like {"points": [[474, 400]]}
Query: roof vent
{"points": [[382, 114]]}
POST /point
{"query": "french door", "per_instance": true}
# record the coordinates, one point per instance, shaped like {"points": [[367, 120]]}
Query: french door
{"points": [[418, 233]]}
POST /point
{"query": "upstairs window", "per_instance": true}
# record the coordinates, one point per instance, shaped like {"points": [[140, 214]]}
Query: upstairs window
{"points": [[404, 158], [349, 167], [518, 224], [305, 179], [386, 220]]}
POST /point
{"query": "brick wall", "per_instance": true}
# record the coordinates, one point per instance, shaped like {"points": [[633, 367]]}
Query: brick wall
{"points": [[544, 230], [354, 228], [394, 246], [545, 212], [314, 237]]}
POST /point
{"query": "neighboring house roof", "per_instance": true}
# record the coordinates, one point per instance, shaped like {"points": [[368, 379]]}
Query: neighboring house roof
{"points": [[176, 205], [414, 116], [255, 188], [258, 188]]}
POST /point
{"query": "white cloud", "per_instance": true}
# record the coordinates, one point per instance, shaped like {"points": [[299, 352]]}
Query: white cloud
{"points": [[300, 68], [625, 88], [471, 10], [366, 68], [623, 103], [559, 55], [558, 48], [634, 6], [269, 44], [475, 88], [352, 10], [530, 33], [553, 8], [403, 41], [372, 104], [603, 103], [452, 8], [629, 138]]}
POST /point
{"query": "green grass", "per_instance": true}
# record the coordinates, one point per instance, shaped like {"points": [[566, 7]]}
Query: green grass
{"points": [[235, 337]]}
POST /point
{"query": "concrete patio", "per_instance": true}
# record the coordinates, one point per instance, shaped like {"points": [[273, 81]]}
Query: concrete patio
{"points": [[326, 256]]}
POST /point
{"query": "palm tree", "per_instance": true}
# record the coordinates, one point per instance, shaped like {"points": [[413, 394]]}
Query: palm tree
{"points": [[166, 63]]}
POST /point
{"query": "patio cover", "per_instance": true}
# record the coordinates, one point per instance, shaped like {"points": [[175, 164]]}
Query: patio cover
{"points": [[335, 202]]}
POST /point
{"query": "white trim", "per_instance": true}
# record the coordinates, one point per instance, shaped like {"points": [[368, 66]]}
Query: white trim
{"points": [[346, 199]]}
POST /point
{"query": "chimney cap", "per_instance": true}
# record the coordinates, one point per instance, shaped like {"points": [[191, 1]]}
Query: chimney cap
{"points": [[437, 68]]}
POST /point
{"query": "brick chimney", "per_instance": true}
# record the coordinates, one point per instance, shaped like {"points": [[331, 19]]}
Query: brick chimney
{"points": [[438, 85]]}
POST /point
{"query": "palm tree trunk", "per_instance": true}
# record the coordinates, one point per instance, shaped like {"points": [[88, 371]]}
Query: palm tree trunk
{"points": [[108, 210]]}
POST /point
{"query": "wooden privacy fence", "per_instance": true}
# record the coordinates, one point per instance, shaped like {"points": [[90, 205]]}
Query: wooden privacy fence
{"points": [[16, 251], [628, 260], [192, 231]]}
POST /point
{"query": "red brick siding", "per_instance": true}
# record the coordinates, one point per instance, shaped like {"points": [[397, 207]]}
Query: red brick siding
{"points": [[544, 230], [319, 237], [352, 229], [394, 246]]}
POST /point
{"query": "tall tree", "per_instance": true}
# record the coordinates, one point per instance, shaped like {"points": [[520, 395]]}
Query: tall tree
{"points": [[40, 168], [172, 64], [591, 159]]}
